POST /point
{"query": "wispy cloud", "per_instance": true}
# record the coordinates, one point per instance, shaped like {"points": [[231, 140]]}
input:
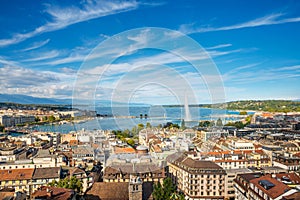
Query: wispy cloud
{"points": [[36, 45], [272, 19], [242, 75], [295, 67], [5, 61], [63, 17], [43, 56], [218, 46]]}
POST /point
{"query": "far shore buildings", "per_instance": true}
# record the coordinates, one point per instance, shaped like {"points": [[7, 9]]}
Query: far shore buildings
{"points": [[14, 120]]}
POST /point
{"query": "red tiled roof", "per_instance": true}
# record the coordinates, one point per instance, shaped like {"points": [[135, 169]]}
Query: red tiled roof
{"points": [[274, 192], [297, 154], [293, 196], [16, 174], [53, 193], [124, 150], [293, 177]]}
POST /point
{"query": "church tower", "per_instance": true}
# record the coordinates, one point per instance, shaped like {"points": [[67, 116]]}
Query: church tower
{"points": [[135, 188]]}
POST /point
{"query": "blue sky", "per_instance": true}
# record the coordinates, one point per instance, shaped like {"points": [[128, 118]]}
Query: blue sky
{"points": [[254, 45]]}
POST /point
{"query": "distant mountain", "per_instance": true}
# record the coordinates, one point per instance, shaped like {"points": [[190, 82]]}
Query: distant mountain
{"points": [[25, 99]]}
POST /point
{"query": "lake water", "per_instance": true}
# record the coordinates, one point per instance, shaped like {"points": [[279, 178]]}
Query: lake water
{"points": [[155, 115]]}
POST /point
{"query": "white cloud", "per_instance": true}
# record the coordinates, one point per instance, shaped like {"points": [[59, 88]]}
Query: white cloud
{"points": [[5, 61], [19, 80], [218, 46], [36, 45], [263, 21], [22, 77], [241, 75], [43, 56], [63, 17], [68, 70], [295, 67]]}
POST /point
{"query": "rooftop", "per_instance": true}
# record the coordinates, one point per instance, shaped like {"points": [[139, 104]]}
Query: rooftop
{"points": [[16, 174], [53, 193], [183, 161], [49, 172], [273, 188]]}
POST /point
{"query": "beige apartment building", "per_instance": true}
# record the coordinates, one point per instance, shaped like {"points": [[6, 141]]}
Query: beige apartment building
{"points": [[197, 179]]}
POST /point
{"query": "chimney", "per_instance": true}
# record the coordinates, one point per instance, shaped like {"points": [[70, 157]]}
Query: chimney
{"points": [[49, 192]]}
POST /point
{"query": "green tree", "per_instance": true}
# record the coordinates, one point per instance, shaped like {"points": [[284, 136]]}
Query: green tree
{"points": [[237, 124], [2, 129], [131, 142], [45, 118], [243, 113], [37, 119], [148, 125], [126, 133], [134, 130], [140, 127], [177, 196], [164, 191], [248, 119], [51, 118], [158, 192], [205, 123], [70, 183]]}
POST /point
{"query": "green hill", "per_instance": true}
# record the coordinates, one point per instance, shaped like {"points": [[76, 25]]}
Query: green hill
{"points": [[262, 105]]}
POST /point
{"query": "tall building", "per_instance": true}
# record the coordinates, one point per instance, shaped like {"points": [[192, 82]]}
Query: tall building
{"points": [[197, 179]]}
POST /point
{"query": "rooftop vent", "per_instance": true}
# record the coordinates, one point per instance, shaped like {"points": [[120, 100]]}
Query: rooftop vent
{"points": [[266, 184]]}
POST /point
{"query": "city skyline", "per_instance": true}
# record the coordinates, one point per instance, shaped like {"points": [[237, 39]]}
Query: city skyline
{"points": [[255, 46]]}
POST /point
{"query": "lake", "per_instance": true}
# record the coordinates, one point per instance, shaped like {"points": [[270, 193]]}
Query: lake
{"points": [[155, 115]]}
